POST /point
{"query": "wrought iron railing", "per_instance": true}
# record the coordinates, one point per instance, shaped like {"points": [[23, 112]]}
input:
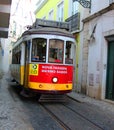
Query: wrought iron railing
{"points": [[74, 21]]}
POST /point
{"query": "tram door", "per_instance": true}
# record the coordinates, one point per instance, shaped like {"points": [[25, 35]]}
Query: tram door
{"points": [[26, 66], [110, 72]]}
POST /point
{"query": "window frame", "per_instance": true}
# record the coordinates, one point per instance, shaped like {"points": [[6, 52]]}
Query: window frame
{"points": [[51, 14], [41, 54], [60, 14], [54, 60]]}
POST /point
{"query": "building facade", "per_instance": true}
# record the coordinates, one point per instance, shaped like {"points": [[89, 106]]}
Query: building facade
{"points": [[13, 23], [98, 51], [4, 26], [94, 42]]}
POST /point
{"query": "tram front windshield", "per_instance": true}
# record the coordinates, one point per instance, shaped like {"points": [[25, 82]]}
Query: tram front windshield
{"points": [[38, 50], [56, 51]]}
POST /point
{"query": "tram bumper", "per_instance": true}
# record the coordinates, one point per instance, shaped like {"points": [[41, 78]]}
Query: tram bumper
{"points": [[50, 88]]}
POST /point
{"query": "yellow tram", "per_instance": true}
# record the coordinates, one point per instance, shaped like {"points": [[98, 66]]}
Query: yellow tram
{"points": [[43, 58]]}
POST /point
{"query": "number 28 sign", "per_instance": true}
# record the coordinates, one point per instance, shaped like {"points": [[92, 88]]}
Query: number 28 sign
{"points": [[33, 70]]}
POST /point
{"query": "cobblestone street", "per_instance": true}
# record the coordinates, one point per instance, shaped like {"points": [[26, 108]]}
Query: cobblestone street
{"points": [[16, 114], [11, 114]]}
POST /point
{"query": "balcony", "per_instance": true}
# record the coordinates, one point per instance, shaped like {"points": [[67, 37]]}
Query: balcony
{"points": [[5, 6], [74, 21]]}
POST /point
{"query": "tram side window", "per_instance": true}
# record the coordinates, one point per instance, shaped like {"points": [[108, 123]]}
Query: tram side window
{"points": [[69, 52], [56, 49], [14, 59], [16, 55], [38, 50]]}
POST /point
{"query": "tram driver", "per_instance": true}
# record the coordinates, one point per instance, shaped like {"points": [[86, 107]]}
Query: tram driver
{"points": [[35, 58]]}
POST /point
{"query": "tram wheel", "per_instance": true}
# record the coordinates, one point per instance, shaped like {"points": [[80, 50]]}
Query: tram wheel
{"points": [[25, 93]]}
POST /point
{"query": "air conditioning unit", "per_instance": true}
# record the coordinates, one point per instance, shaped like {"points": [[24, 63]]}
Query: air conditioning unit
{"points": [[111, 1]]}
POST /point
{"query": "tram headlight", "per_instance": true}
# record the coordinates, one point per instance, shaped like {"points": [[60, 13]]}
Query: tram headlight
{"points": [[55, 79]]}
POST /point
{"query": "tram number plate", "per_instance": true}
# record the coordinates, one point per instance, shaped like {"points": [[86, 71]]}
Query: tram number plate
{"points": [[33, 69]]}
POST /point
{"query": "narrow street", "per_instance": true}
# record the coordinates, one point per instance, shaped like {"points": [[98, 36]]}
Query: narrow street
{"points": [[55, 47], [18, 113]]}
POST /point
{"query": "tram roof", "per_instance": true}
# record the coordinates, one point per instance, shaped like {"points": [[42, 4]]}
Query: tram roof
{"points": [[48, 30]]}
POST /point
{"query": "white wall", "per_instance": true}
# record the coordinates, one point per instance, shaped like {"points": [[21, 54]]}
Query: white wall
{"points": [[97, 57], [97, 5], [5, 56]]}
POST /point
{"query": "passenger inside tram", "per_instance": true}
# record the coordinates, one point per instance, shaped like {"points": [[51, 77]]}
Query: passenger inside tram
{"points": [[35, 58]]}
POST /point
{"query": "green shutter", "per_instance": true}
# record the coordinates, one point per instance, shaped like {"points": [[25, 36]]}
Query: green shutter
{"points": [[110, 72]]}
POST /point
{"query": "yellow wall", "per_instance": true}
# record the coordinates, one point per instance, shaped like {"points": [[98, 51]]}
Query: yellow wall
{"points": [[52, 5]]}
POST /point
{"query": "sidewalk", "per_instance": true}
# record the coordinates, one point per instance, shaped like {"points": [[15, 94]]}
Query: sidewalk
{"points": [[86, 99]]}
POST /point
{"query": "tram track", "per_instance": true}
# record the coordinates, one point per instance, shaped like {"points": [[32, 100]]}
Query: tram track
{"points": [[65, 127], [62, 110], [62, 122], [83, 117]]}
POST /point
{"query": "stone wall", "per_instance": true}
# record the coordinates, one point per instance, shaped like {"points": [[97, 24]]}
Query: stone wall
{"points": [[85, 58]]}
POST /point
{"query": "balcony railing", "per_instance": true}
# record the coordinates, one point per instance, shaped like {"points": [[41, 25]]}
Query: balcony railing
{"points": [[74, 21]]}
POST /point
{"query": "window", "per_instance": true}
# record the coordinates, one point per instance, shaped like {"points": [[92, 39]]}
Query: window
{"points": [[14, 28], [16, 55], [73, 7], [38, 50], [56, 49], [69, 52], [60, 12], [51, 15]]}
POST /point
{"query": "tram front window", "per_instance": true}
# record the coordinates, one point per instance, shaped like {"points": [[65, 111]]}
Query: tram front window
{"points": [[70, 48], [38, 50], [56, 49]]}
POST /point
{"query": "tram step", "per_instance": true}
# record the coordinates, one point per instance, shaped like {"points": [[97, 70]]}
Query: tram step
{"points": [[52, 98]]}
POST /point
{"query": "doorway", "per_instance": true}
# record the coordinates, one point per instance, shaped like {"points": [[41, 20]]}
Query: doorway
{"points": [[110, 72]]}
